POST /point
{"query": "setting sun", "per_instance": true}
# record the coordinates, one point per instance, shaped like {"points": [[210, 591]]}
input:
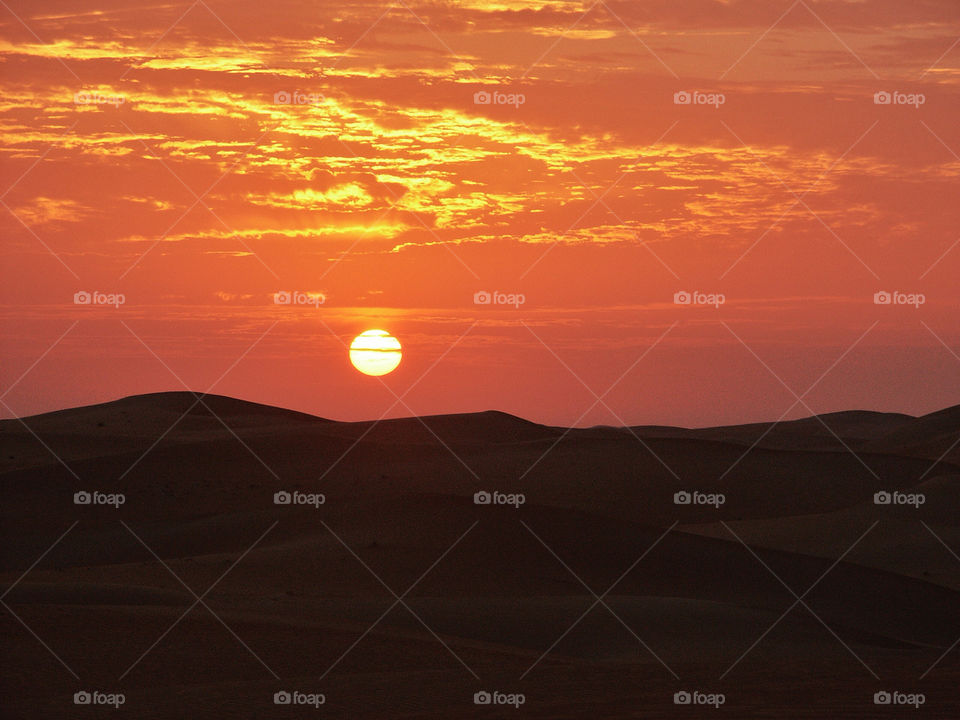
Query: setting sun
{"points": [[375, 352], [677, 287]]}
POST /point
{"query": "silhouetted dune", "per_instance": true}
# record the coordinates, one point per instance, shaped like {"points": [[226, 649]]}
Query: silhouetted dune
{"points": [[499, 585], [930, 436]]}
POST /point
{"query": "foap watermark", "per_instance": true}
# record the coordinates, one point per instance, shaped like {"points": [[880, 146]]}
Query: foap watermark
{"points": [[483, 297], [499, 698], [83, 297], [495, 97], [695, 297], [299, 297], [284, 97], [915, 500], [96, 497], [296, 697], [684, 497], [895, 697], [299, 498], [882, 297], [95, 697], [498, 498], [883, 97], [98, 98], [697, 97], [686, 697]]}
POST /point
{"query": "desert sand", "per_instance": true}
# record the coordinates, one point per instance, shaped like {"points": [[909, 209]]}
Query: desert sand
{"points": [[401, 597]]}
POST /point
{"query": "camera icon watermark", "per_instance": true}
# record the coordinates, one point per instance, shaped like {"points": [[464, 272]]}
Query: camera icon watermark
{"points": [[495, 97], [96, 697], [115, 500], [895, 97], [915, 500], [695, 697], [683, 497], [483, 497], [696, 97], [895, 697], [484, 297], [85, 97], [499, 698], [296, 497], [83, 297], [285, 97], [695, 297], [299, 297], [882, 297], [296, 697]]}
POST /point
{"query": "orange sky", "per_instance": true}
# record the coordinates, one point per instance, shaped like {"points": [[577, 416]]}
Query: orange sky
{"points": [[148, 151]]}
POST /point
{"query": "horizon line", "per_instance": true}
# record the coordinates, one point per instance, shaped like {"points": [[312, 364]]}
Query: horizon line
{"points": [[196, 394]]}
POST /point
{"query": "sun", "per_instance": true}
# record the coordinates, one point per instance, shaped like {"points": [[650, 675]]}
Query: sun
{"points": [[375, 352]]}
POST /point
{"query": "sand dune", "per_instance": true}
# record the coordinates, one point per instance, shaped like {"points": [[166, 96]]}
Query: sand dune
{"points": [[596, 500]]}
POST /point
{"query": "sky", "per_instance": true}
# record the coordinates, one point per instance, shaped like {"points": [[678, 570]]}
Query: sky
{"points": [[689, 213]]}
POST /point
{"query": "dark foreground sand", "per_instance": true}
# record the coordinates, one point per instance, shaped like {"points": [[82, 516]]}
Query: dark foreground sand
{"points": [[319, 599]]}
